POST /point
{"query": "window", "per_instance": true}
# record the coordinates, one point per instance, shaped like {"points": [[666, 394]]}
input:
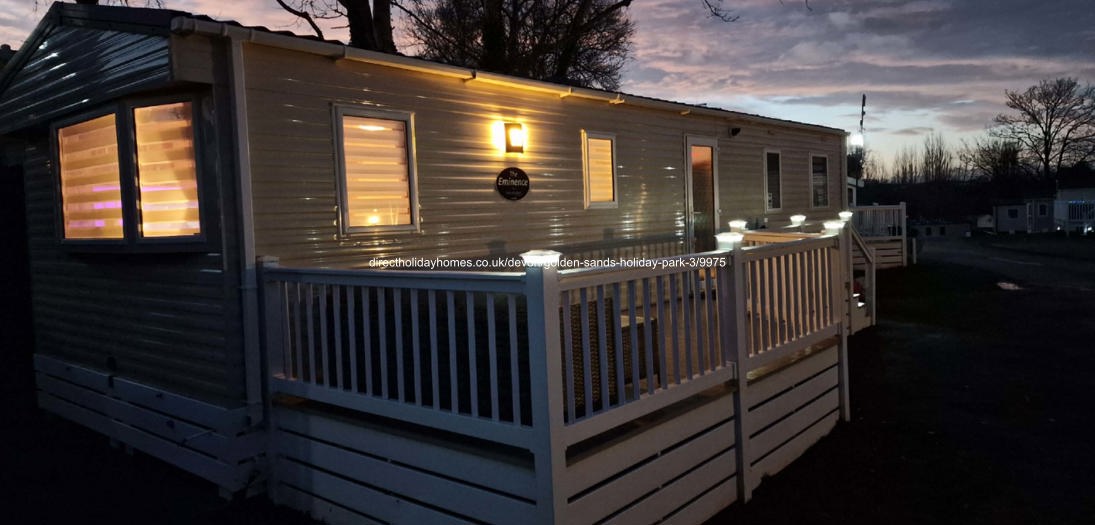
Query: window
{"points": [[1013, 213], [819, 181], [376, 160], [1043, 210], [167, 170], [772, 181], [942, 230], [927, 231], [599, 169], [130, 175], [91, 188]]}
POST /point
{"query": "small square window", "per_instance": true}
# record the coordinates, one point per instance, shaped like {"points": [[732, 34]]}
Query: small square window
{"points": [[376, 160], [599, 169], [1013, 213]]}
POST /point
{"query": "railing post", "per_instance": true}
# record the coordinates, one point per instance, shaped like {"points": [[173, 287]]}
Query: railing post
{"points": [[904, 236], [271, 332], [844, 275], [545, 383], [734, 339]]}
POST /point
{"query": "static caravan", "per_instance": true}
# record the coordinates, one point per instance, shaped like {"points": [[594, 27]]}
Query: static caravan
{"points": [[390, 290]]}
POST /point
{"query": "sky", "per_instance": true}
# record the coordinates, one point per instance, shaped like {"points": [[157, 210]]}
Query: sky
{"points": [[926, 66]]}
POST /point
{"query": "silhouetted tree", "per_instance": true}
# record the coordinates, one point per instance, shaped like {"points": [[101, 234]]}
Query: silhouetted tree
{"points": [[369, 21], [582, 42], [937, 160], [1054, 123], [906, 166]]}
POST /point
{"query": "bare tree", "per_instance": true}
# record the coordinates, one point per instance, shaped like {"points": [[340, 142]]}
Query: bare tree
{"points": [[1054, 122], [370, 22], [906, 166], [994, 159], [582, 42], [937, 161]]}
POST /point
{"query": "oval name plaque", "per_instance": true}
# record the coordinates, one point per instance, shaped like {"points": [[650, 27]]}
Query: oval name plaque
{"points": [[512, 183]]}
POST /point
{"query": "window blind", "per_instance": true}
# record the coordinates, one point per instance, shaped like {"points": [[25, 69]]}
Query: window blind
{"points": [[377, 176], [90, 182], [166, 170]]}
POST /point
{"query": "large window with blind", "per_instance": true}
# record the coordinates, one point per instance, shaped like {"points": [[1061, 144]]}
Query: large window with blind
{"points": [[599, 169], [130, 176], [377, 170]]}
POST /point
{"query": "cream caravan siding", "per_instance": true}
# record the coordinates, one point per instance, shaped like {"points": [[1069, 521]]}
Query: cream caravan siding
{"points": [[290, 118], [741, 167]]}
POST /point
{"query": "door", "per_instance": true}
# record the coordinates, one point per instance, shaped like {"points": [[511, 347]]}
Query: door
{"points": [[702, 189]]}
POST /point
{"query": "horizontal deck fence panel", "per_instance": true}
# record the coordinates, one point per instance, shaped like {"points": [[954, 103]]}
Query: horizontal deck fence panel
{"points": [[761, 237]]}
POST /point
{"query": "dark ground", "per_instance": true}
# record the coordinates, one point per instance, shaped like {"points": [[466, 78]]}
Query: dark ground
{"points": [[971, 404]]}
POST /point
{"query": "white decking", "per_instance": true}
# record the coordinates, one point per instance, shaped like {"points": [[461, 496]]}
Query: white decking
{"points": [[626, 395]]}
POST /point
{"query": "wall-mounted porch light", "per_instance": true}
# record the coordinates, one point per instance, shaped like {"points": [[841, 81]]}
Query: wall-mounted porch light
{"points": [[515, 137]]}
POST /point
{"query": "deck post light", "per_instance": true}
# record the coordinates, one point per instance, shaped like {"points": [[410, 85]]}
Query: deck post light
{"points": [[515, 137], [737, 225], [845, 215], [728, 240], [541, 258], [797, 220], [833, 227]]}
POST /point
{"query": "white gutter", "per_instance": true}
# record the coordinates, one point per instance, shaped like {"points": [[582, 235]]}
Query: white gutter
{"points": [[185, 25]]}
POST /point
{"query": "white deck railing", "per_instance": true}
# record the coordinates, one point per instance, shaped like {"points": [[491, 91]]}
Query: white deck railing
{"points": [[880, 221], [452, 349], [546, 359]]}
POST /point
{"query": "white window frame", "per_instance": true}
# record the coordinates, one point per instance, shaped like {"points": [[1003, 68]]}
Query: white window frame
{"points": [[764, 177], [586, 181], [828, 182], [407, 117]]}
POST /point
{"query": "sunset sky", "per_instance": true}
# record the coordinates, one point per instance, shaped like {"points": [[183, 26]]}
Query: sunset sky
{"points": [[925, 65]]}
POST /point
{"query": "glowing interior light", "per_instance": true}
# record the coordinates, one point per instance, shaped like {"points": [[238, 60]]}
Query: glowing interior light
{"points": [[371, 127]]}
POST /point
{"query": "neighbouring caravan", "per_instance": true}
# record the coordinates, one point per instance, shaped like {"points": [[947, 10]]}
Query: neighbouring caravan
{"points": [[217, 213]]}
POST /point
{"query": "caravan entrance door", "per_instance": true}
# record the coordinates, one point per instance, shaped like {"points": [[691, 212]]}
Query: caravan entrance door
{"points": [[702, 185]]}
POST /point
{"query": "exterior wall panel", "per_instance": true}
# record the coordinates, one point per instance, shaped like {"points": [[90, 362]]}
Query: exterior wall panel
{"points": [[290, 97], [76, 68]]}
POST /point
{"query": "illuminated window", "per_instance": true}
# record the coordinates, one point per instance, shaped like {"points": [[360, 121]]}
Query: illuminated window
{"points": [[772, 181], [819, 181], [154, 184], [599, 169], [376, 155], [166, 170], [91, 193]]}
